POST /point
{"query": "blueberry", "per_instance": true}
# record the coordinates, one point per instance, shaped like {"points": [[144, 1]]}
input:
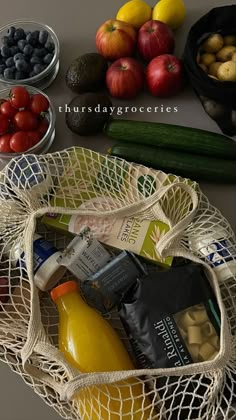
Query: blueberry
{"points": [[22, 65], [31, 39], [9, 73], [4, 41], [5, 51], [27, 33], [43, 36], [28, 50], [2, 68], [48, 58], [18, 56], [19, 34], [10, 62], [32, 74], [35, 60], [21, 75], [14, 50], [11, 31], [50, 46], [38, 68], [35, 35], [40, 52], [21, 44]]}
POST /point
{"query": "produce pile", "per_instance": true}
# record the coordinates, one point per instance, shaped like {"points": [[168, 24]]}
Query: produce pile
{"points": [[23, 120], [25, 54], [217, 57], [133, 52]]}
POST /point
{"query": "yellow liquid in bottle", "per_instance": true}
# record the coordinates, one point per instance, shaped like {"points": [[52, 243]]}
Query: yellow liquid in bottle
{"points": [[90, 344]]}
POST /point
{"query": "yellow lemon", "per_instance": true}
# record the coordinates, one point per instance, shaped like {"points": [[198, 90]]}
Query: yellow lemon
{"points": [[171, 12], [135, 12]]}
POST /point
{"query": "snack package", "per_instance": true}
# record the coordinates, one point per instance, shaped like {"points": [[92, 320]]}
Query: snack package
{"points": [[172, 319], [106, 288], [84, 255], [104, 189]]}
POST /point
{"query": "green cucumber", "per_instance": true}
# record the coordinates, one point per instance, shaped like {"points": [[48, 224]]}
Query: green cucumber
{"points": [[188, 165], [173, 137]]}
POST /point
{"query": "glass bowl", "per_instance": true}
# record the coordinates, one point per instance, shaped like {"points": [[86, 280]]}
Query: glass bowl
{"points": [[45, 143], [46, 77]]}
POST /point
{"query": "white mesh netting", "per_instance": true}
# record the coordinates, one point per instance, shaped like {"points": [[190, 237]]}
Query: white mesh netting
{"points": [[99, 188]]}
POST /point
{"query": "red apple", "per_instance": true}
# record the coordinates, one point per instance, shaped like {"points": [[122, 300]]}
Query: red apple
{"points": [[125, 78], [116, 39], [155, 38], [164, 75]]}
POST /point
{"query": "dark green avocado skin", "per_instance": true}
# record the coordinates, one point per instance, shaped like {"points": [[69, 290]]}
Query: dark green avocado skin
{"points": [[87, 73], [88, 113]]}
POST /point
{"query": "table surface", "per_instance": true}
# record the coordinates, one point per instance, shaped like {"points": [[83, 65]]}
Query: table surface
{"points": [[75, 23]]}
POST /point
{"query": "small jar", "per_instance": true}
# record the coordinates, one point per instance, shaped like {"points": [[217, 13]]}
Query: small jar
{"points": [[47, 271], [27, 174]]}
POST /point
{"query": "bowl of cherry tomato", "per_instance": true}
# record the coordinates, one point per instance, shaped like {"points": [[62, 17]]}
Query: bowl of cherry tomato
{"points": [[27, 122]]}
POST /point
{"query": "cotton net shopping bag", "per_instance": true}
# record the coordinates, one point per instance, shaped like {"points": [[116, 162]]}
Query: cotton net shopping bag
{"points": [[89, 184]]}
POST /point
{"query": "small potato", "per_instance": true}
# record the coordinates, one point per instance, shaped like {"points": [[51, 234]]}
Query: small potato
{"points": [[233, 57], [203, 67], [214, 67], [207, 59], [230, 40], [227, 71], [225, 54], [213, 44], [214, 109]]}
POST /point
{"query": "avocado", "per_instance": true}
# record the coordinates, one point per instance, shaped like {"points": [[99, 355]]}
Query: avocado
{"points": [[87, 113], [87, 73]]}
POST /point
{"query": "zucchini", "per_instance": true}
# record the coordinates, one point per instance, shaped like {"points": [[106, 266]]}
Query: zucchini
{"points": [[173, 137], [188, 165]]}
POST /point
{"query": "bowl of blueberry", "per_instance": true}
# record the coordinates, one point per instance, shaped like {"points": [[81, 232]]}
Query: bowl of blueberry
{"points": [[29, 54]]}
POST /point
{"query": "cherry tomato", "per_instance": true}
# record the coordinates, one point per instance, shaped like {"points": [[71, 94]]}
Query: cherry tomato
{"points": [[39, 103], [4, 124], [5, 143], [25, 120], [2, 100], [34, 137], [20, 141], [43, 127], [19, 97], [7, 109]]}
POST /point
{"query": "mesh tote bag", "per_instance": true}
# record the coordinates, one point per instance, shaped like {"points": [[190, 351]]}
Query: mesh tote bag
{"points": [[82, 183]]}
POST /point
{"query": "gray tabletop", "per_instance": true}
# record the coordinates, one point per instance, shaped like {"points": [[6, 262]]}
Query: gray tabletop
{"points": [[75, 23]]}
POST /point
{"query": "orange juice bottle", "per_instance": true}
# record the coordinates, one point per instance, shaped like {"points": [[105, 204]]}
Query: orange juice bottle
{"points": [[90, 344]]}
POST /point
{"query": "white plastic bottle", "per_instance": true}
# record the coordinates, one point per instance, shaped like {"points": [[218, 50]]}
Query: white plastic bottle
{"points": [[47, 271], [218, 250]]}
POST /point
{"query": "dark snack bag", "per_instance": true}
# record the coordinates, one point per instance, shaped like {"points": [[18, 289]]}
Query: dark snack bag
{"points": [[105, 289], [217, 97], [172, 319]]}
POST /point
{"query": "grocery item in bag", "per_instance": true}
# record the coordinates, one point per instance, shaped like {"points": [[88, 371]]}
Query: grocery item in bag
{"points": [[103, 189], [90, 344], [46, 269], [106, 288], [84, 255], [172, 319]]}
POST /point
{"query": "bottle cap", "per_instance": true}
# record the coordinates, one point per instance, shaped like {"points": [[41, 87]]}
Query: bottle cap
{"points": [[63, 289]]}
